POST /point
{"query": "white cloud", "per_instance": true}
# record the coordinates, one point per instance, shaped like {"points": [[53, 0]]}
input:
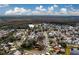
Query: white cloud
{"points": [[55, 6], [75, 13], [17, 11], [72, 11], [38, 13], [50, 8], [63, 10], [42, 11], [40, 8], [68, 6], [4, 5]]}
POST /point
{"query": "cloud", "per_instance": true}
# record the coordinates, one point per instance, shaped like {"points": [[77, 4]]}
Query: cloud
{"points": [[40, 8], [63, 11], [75, 13], [4, 5], [68, 6], [38, 12], [18, 11], [50, 8], [42, 11], [72, 11], [55, 6]]}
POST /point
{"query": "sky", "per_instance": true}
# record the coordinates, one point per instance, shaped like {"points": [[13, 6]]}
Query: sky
{"points": [[40, 9]]}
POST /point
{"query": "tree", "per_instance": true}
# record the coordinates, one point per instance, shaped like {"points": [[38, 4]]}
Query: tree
{"points": [[28, 44]]}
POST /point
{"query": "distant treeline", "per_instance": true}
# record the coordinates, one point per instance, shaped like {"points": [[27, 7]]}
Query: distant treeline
{"points": [[11, 26], [41, 19]]}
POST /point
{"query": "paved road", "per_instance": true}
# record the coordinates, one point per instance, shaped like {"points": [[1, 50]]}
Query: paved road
{"points": [[46, 42]]}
